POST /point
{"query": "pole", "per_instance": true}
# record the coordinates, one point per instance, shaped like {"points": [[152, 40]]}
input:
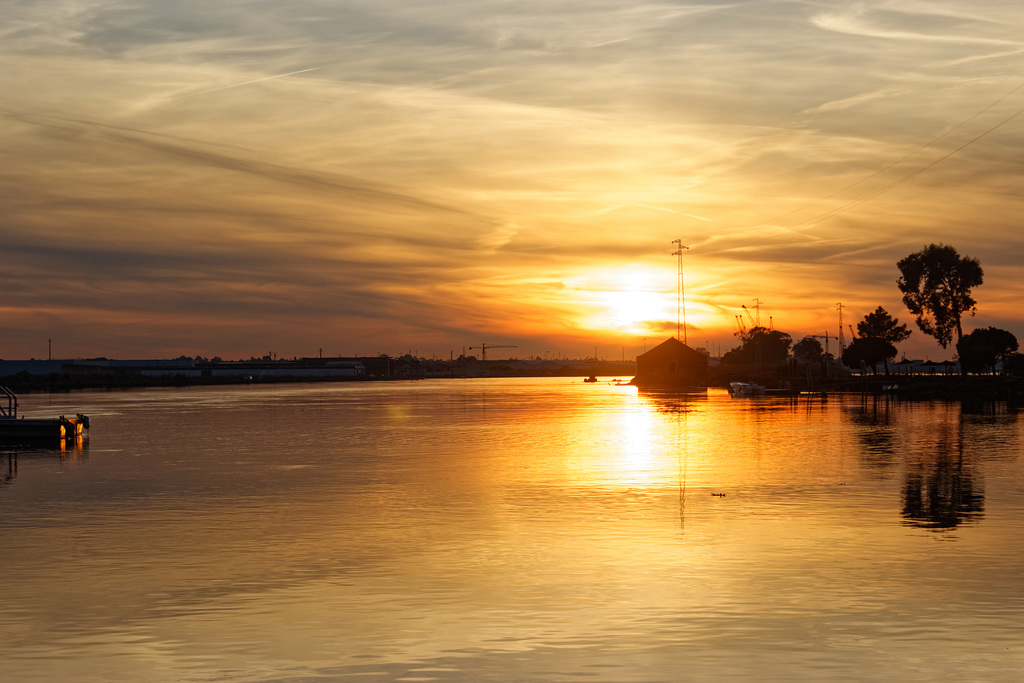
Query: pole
{"points": [[842, 342], [680, 299]]}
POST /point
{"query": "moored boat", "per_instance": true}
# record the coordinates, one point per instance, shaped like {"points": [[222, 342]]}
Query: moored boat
{"points": [[13, 428], [745, 389]]}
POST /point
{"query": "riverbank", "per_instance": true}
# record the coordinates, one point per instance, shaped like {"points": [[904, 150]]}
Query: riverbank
{"points": [[91, 375], [912, 388], [943, 388], [24, 383]]}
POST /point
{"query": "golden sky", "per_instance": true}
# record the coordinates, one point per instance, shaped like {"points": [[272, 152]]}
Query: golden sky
{"points": [[239, 178]]}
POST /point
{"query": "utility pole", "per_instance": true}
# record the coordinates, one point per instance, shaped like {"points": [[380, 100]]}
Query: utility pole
{"points": [[680, 300], [842, 342]]}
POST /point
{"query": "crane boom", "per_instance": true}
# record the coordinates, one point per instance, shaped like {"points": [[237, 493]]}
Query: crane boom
{"points": [[746, 310], [739, 324], [483, 348], [825, 336]]}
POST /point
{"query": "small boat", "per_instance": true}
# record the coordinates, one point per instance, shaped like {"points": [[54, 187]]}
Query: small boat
{"points": [[13, 428], [745, 390], [591, 379]]}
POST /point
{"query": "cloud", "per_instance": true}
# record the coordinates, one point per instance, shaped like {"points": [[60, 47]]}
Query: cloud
{"points": [[931, 22], [449, 167], [848, 102]]}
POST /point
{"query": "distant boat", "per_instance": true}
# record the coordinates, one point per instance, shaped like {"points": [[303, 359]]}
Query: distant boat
{"points": [[745, 390], [592, 378], [13, 428]]}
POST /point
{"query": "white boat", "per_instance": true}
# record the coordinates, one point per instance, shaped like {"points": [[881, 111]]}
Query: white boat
{"points": [[745, 389]]}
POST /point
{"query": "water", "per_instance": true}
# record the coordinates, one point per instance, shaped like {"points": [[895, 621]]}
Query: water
{"points": [[512, 530]]}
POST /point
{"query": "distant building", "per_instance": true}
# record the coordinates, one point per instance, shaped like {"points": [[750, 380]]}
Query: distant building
{"points": [[671, 366], [188, 367], [80, 366]]}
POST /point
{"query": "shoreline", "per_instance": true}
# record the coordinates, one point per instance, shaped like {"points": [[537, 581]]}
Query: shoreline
{"points": [[971, 388]]}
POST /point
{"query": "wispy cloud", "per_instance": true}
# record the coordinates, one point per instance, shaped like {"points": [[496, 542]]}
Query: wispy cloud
{"points": [[397, 171], [255, 80], [919, 21]]}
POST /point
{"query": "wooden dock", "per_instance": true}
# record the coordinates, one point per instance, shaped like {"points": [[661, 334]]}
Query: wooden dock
{"points": [[13, 428]]}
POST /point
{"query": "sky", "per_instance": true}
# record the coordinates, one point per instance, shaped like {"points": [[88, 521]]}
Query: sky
{"points": [[337, 177]]}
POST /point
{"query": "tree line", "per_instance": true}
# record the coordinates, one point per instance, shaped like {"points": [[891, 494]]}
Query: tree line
{"points": [[936, 284]]}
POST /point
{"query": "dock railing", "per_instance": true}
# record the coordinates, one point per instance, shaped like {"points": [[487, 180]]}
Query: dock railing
{"points": [[11, 411]]}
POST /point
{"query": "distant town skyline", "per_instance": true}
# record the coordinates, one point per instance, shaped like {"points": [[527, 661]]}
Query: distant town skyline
{"points": [[235, 179]]}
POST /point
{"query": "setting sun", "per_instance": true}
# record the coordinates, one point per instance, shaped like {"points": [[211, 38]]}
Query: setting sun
{"points": [[628, 310], [631, 302]]}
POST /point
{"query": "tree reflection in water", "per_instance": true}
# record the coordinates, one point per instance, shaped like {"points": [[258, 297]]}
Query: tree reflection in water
{"points": [[879, 433], [944, 490], [941, 483], [941, 494]]}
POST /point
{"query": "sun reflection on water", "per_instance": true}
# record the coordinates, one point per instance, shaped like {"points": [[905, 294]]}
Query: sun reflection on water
{"points": [[638, 451]]}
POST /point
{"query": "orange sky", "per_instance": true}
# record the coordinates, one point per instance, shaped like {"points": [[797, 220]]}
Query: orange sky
{"points": [[237, 179]]}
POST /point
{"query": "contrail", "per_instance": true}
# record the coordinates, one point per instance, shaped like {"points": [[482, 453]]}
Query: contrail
{"points": [[236, 85]]}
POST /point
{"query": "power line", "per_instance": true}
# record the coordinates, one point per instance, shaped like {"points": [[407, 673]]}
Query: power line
{"points": [[912, 175], [909, 176]]}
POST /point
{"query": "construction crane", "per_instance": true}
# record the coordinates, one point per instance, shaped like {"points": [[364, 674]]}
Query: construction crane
{"points": [[483, 349], [757, 307], [825, 336], [753, 323]]}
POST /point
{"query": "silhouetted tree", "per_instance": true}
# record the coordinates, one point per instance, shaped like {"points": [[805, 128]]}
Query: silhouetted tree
{"points": [[808, 350], [981, 349], [870, 351], [880, 325], [936, 283], [760, 346]]}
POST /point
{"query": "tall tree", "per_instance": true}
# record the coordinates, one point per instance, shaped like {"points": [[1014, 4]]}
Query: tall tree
{"points": [[936, 283], [808, 350], [982, 349], [880, 325], [761, 346], [869, 351]]}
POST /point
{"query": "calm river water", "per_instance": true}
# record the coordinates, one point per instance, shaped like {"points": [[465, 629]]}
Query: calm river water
{"points": [[512, 530]]}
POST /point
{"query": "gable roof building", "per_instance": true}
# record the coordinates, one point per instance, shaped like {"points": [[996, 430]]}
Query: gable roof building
{"points": [[671, 366]]}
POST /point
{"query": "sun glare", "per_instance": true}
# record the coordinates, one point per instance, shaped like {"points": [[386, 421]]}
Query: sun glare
{"points": [[629, 309], [627, 303]]}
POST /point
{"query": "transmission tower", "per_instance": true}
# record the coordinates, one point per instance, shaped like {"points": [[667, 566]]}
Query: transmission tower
{"points": [[680, 299]]}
